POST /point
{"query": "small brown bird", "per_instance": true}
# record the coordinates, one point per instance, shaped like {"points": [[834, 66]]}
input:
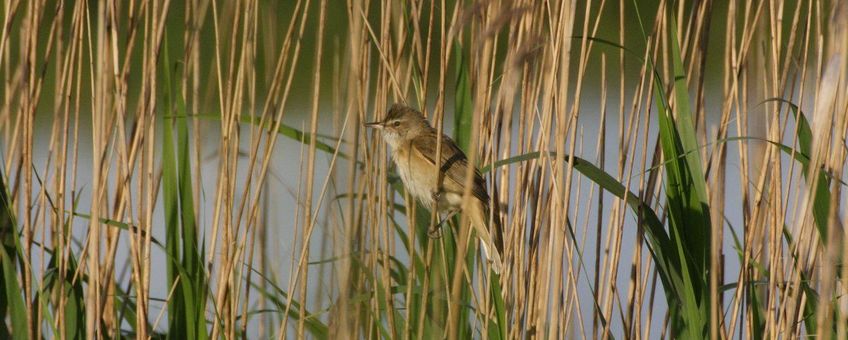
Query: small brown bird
{"points": [[413, 143]]}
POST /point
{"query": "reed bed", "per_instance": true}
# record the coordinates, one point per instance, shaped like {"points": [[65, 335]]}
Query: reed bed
{"points": [[667, 169]]}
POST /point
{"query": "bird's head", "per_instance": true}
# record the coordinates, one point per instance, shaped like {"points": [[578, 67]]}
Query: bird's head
{"points": [[401, 125]]}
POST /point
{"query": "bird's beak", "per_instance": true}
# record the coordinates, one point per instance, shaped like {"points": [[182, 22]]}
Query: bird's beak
{"points": [[376, 125]]}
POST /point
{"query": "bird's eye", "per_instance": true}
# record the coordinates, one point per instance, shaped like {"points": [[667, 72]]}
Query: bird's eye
{"points": [[396, 123]]}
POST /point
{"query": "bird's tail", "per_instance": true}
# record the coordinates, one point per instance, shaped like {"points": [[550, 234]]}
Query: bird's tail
{"points": [[490, 234]]}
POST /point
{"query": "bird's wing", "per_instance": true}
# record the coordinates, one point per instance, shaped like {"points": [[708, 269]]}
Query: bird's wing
{"points": [[452, 163]]}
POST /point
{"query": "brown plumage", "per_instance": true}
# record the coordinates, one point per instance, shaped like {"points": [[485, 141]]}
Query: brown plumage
{"points": [[413, 142]]}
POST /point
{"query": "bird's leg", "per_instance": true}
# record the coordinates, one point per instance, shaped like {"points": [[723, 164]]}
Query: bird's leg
{"points": [[436, 230]]}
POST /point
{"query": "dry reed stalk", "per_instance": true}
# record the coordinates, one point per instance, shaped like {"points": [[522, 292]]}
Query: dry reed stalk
{"points": [[519, 75]]}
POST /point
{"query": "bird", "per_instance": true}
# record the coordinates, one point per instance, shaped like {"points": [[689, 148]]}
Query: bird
{"points": [[439, 181]]}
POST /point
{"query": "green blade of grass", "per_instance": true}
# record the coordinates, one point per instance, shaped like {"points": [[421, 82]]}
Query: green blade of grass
{"points": [[74, 308], [283, 129], [277, 296], [686, 198], [11, 292], [12, 299], [659, 243], [464, 105], [685, 190], [192, 245], [177, 323], [498, 331], [187, 307], [821, 198]]}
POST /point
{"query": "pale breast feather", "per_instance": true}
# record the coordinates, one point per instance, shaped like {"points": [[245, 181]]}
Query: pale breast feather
{"points": [[415, 182]]}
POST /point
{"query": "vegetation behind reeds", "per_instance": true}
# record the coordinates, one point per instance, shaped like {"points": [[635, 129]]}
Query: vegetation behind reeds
{"points": [[200, 170]]}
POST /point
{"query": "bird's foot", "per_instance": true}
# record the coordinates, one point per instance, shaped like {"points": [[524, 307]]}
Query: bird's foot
{"points": [[450, 215], [435, 231], [436, 195]]}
